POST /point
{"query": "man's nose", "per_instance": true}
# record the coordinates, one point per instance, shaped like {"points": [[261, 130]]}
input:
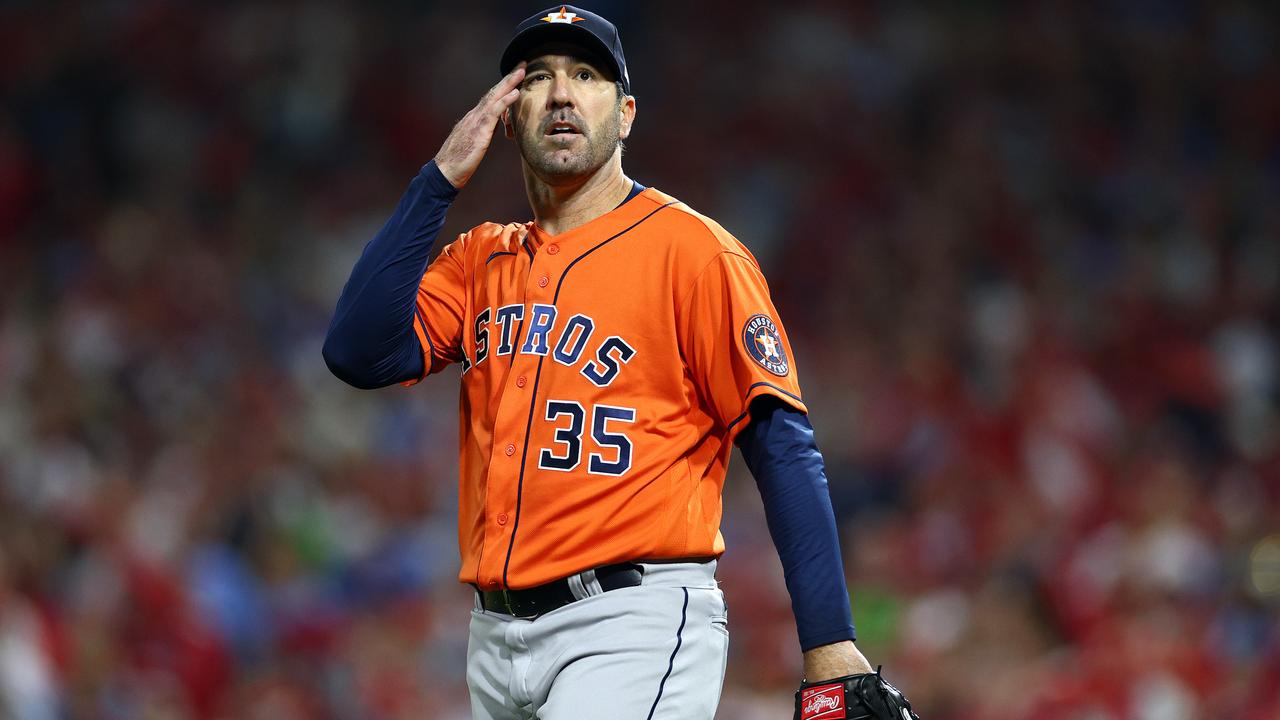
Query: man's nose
{"points": [[560, 95]]}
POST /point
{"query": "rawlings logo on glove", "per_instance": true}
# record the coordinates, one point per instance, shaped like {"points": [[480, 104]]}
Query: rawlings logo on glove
{"points": [[853, 697], [824, 702]]}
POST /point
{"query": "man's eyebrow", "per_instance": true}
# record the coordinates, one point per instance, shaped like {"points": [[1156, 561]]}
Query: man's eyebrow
{"points": [[541, 64]]}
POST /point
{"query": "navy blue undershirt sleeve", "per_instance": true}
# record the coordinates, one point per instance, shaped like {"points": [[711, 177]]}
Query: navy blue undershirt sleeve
{"points": [[371, 342], [781, 453]]}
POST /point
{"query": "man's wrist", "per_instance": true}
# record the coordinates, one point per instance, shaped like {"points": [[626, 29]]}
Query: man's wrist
{"points": [[439, 181], [834, 660]]}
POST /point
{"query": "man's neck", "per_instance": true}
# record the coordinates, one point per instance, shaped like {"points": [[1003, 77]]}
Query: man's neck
{"points": [[561, 208]]}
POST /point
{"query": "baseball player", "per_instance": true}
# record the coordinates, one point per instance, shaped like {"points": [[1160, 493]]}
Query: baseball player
{"points": [[612, 352]]}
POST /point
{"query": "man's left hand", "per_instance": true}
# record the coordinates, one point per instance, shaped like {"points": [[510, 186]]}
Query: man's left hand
{"points": [[864, 696]]}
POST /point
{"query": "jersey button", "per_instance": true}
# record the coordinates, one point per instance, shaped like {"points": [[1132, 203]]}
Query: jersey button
{"points": [[552, 249], [511, 449], [542, 281], [520, 381], [502, 518]]}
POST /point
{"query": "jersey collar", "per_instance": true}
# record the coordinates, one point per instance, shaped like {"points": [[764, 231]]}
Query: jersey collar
{"points": [[638, 202]]}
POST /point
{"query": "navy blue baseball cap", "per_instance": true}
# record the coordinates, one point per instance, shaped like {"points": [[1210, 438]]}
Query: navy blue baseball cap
{"points": [[573, 26]]}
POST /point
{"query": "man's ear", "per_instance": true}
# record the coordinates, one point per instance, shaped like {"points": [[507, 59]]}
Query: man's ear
{"points": [[507, 128], [628, 118]]}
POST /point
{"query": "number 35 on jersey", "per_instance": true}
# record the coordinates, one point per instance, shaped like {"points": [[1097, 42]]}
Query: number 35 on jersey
{"points": [[605, 372]]}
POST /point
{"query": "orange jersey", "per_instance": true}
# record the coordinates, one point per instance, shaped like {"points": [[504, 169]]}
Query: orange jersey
{"points": [[605, 372]]}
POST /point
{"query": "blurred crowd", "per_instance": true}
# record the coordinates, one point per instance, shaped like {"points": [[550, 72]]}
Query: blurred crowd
{"points": [[1029, 259]]}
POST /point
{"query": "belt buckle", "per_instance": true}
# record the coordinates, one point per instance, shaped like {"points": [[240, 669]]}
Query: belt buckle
{"points": [[511, 609]]}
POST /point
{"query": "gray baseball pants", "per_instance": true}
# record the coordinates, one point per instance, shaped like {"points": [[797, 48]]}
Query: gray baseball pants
{"points": [[656, 651]]}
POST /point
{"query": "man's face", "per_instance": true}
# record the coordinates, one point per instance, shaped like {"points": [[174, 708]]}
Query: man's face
{"points": [[569, 118]]}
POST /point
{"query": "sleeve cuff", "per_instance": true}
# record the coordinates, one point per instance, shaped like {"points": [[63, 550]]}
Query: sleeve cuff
{"points": [[437, 183], [755, 391], [810, 642]]}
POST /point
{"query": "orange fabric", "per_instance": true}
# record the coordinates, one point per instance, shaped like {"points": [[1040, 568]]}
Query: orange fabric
{"points": [[649, 327]]}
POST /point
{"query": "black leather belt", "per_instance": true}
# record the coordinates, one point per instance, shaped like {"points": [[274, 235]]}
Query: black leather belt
{"points": [[535, 601]]}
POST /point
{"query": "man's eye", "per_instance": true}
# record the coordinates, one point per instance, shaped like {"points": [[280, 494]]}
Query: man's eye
{"points": [[585, 75], [531, 79]]}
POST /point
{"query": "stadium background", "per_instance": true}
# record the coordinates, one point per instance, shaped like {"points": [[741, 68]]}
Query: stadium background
{"points": [[1029, 259]]}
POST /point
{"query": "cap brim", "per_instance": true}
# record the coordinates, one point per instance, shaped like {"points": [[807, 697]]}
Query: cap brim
{"points": [[522, 45]]}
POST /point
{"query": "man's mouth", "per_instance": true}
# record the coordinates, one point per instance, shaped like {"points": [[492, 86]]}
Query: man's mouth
{"points": [[563, 128]]}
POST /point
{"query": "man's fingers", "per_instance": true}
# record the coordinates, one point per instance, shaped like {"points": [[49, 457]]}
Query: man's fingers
{"points": [[514, 77], [503, 86], [505, 92], [495, 108]]}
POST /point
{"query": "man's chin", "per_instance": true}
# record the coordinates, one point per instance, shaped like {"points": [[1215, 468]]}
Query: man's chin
{"points": [[560, 167]]}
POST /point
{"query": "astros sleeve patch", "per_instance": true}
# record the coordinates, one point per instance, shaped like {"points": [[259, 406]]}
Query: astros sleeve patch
{"points": [[733, 341], [763, 343]]}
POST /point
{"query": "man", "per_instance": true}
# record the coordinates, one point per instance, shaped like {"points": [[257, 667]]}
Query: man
{"points": [[612, 351]]}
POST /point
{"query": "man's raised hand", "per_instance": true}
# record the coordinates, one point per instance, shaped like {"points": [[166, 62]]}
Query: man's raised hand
{"points": [[469, 140]]}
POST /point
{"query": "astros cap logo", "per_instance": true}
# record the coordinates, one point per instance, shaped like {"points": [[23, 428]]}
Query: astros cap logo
{"points": [[562, 17]]}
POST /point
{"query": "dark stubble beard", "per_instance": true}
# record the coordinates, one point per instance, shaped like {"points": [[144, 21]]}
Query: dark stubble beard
{"points": [[601, 142]]}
